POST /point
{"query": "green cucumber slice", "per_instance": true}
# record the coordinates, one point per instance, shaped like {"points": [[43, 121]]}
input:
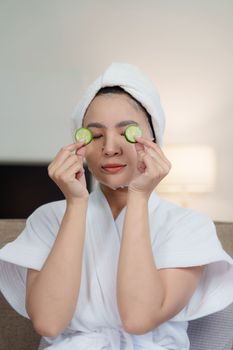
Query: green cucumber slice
{"points": [[131, 131], [83, 133]]}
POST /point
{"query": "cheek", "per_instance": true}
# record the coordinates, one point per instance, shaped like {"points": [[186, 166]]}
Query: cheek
{"points": [[90, 156], [92, 151], [93, 155], [130, 152]]}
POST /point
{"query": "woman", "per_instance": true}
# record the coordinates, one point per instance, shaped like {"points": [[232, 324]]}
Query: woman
{"points": [[119, 268]]}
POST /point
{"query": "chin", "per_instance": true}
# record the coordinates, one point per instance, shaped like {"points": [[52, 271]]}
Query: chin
{"points": [[117, 181], [114, 185]]}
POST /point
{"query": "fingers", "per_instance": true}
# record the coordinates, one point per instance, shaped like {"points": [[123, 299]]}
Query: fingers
{"points": [[67, 156], [67, 151], [74, 171], [71, 162], [161, 161], [155, 161], [74, 146], [154, 168], [153, 149], [148, 143]]}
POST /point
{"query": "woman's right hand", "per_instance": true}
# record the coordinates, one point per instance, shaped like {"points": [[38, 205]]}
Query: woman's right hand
{"points": [[67, 171]]}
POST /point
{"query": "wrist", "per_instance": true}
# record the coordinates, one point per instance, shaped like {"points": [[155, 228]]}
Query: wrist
{"points": [[138, 196], [77, 202]]}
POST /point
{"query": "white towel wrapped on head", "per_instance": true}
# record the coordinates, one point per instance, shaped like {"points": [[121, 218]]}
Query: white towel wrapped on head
{"points": [[132, 80]]}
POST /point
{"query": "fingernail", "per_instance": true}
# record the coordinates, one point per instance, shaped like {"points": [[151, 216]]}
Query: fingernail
{"points": [[81, 140]]}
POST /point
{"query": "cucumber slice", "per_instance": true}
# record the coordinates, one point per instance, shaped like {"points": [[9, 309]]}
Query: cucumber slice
{"points": [[131, 131], [83, 133]]}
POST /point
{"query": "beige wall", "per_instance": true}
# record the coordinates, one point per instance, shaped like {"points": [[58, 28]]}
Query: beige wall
{"points": [[50, 51]]}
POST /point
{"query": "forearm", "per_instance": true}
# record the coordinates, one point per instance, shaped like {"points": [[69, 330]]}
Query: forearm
{"points": [[139, 288], [54, 292]]}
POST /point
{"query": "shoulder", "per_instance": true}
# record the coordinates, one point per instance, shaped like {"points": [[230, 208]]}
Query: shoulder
{"points": [[46, 218], [175, 226], [54, 210], [183, 235], [172, 215]]}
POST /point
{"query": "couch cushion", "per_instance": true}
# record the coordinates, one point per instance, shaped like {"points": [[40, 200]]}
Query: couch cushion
{"points": [[225, 234], [10, 229], [214, 331], [16, 332]]}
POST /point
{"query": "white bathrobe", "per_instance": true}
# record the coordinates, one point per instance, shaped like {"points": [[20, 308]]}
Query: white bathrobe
{"points": [[179, 237]]}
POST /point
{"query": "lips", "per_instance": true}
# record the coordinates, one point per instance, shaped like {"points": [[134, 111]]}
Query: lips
{"points": [[113, 168]]}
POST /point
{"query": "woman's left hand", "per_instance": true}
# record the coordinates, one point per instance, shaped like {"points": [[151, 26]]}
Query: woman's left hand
{"points": [[152, 165]]}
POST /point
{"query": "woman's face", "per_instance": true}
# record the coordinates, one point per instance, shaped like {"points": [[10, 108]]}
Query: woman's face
{"points": [[109, 146]]}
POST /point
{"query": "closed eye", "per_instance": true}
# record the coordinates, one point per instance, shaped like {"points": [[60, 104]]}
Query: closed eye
{"points": [[98, 136]]}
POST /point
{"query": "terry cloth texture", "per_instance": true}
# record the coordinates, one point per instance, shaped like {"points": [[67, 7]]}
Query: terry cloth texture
{"points": [[180, 237]]}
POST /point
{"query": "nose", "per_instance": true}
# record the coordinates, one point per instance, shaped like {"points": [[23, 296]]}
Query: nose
{"points": [[111, 145]]}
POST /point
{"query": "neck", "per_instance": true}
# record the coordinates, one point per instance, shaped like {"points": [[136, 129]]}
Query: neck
{"points": [[116, 198]]}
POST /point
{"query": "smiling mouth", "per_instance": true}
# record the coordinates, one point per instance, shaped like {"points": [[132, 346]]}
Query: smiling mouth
{"points": [[113, 170]]}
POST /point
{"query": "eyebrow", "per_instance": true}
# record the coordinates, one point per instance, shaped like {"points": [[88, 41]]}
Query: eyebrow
{"points": [[118, 125]]}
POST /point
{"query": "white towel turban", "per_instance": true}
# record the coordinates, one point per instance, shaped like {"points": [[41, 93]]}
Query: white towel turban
{"points": [[131, 79]]}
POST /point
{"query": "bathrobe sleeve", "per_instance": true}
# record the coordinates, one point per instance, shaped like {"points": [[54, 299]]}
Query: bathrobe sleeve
{"points": [[191, 240], [29, 250]]}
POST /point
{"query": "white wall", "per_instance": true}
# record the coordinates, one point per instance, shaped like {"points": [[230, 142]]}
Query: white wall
{"points": [[52, 50]]}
